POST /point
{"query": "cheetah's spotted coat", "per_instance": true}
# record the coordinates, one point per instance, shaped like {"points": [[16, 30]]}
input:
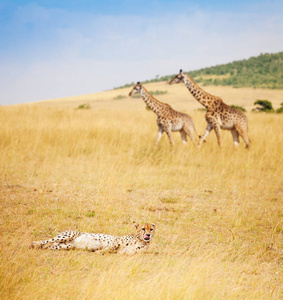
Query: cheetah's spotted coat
{"points": [[127, 244]]}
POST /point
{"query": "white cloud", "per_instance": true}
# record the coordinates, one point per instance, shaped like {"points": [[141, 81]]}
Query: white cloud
{"points": [[92, 53]]}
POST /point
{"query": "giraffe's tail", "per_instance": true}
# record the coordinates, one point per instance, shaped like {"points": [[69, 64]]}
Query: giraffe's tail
{"points": [[199, 136]]}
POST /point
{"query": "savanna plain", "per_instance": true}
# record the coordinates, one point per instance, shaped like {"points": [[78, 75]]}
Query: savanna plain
{"points": [[218, 213]]}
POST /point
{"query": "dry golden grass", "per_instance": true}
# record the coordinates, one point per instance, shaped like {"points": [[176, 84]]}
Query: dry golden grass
{"points": [[218, 213]]}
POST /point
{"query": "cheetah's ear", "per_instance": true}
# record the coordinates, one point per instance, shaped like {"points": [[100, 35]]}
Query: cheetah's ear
{"points": [[181, 71], [152, 224], [136, 225]]}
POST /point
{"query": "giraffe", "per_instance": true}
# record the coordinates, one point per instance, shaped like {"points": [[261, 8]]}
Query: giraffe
{"points": [[219, 115], [168, 119]]}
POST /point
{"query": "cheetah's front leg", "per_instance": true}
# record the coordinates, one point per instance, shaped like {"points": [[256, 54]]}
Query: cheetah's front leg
{"points": [[109, 249]]}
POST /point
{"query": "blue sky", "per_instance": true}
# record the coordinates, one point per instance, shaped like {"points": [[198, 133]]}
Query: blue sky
{"points": [[58, 48]]}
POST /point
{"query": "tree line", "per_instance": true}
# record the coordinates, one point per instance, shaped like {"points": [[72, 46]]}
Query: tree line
{"points": [[263, 71]]}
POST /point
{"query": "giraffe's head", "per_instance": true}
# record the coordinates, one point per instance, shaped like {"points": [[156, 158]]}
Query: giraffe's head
{"points": [[178, 78], [136, 89]]}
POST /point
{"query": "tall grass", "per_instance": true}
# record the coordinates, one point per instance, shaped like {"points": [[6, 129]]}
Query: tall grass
{"points": [[218, 213]]}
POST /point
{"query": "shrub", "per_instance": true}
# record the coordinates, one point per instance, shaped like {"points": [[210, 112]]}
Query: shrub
{"points": [[264, 105], [84, 106], [280, 109], [239, 107], [119, 97], [157, 92]]}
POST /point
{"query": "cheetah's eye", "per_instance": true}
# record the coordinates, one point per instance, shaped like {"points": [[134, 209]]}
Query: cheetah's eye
{"points": [[151, 229], [143, 229]]}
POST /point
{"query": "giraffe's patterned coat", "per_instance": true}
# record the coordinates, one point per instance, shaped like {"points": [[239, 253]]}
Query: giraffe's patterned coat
{"points": [[219, 115], [168, 119], [102, 243]]}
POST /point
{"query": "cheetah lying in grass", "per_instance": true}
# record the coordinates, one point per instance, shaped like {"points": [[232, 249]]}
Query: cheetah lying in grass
{"points": [[102, 243]]}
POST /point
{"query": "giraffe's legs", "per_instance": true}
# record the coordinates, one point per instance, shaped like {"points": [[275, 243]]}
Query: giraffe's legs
{"points": [[169, 133], [235, 135], [183, 136], [243, 132], [217, 130], [212, 123], [247, 141], [206, 133], [190, 132], [160, 132]]}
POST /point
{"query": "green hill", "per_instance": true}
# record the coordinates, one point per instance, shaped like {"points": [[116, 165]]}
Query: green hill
{"points": [[263, 71]]}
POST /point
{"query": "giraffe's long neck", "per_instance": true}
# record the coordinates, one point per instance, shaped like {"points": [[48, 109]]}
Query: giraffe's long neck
{"points": [[204, 98], [155, 105]]}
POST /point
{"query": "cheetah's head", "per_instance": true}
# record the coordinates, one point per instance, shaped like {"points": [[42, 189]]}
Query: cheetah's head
{"points": [[145, 231]]}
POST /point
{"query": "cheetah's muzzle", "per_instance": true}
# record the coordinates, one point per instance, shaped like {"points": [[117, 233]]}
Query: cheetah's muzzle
{"points": [[147, 237]]}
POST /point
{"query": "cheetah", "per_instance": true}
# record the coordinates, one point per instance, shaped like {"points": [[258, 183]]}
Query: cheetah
{"points": [[101, 243]]}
